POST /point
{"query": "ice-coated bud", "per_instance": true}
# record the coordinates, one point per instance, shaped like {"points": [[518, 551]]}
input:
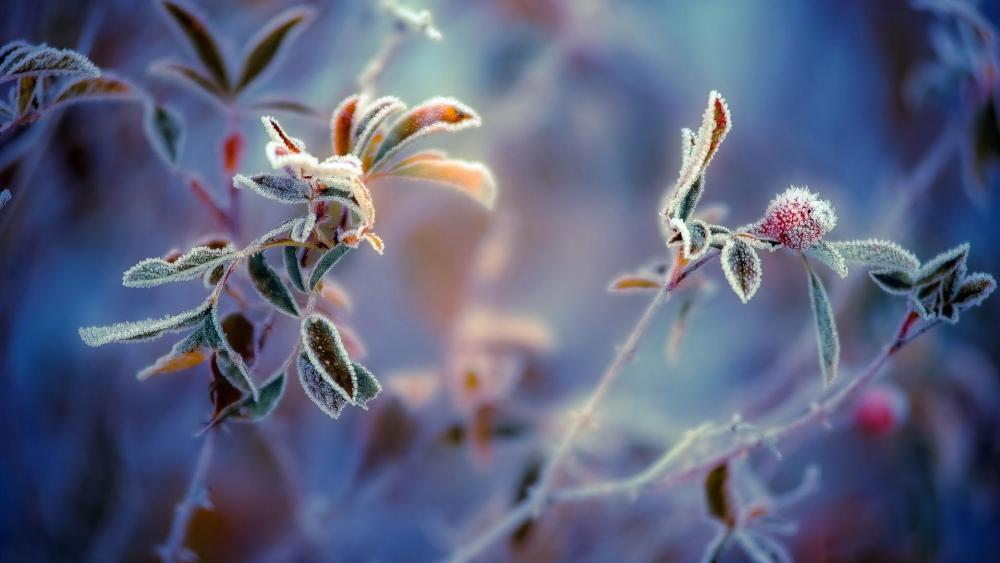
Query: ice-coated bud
{"points": [[797, 219], [880, 410]]}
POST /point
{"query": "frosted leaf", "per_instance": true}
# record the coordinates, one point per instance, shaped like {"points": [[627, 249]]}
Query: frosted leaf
{"points": [[368, 386], [19, 59], [828, 254], [687, 201], [250, 410], [635, 282], [974, 289], [875, 252], [436, 114], [26, 88], [326, 262], [319, 391], [326, 352], [284, 189], [201, 40], [716, 122], [165, 132], [942, 265], [742, 268], [303, 227], [336, 168], [896, 282], [91, 89], [368, 122], [719, 495], [4, 198], [336, 189], [471, 178], [148, 329], [188, 77], [274, 234], [263, 47], [290, 255], [827, 340], [699, 239], [341, 124], [186, 354], [678, 233], [156, 271], [239, 376], [279, 137], [269, 285]]}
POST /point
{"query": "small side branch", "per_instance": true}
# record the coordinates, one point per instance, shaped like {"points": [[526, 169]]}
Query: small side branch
{"points": [[197, 497]]}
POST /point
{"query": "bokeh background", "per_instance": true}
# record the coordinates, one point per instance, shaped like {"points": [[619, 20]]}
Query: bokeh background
{"points": [[882, 107]]}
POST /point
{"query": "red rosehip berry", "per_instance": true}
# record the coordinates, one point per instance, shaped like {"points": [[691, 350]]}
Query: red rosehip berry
{"points": [[880, 410]]}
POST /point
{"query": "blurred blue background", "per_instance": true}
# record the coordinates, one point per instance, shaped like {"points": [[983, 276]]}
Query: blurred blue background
{"points": [[581, 105]]}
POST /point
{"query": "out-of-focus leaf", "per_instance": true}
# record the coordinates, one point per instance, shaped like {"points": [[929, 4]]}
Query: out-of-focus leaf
{"points": [[326, 262], [92, 89], [205, 46], [280, 188], [323, 346], [631, 282], [896, 282], [827, 340], [26, 88], [368, 386], [829, 255], [290, 254], [741, 265], [942, 265], [165, 132], [986, 141], [974, 289], [230, 343], [155, 271], [341, 125], [148, 329], [334, 294], [269, 285], [436, 114], [19, 59], [267, 42], [719, 496], [318, 389], [368, 122], [4, 198], [470, 178], [232, 152], [285, 105], [188, 77], [873, 252]]}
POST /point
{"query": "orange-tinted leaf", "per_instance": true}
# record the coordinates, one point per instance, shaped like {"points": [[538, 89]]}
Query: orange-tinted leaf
{"points": [[94, 89], [470, 178], [340, 125], [232, 152], [171, 364], [629, 282], [436, 114]]}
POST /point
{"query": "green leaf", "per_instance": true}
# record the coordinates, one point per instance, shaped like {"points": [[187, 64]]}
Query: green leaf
{"points": [[368, 386], [974, 289], [269, 285], [156, 271], [292, 267], [826, 328], [368, 122], [880, 253], [828, 254], [942, 265], [249, 410], [326, 262], [148, 329], [227, 342], [201, 40], [280, 188], [267, 42], [322, 344], [741, 265], [896, 282], [688, 200], [19, 59], [165, 132], [319, 391], [188, 77]]}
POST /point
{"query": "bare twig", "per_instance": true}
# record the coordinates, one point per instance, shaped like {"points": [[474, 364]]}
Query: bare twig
{"points": [[197, 497]]}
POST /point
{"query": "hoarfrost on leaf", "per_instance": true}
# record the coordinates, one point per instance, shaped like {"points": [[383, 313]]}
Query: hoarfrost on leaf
{"points": [[148, 329], [318, 389], [325, 349], [155, 271], [828, 254], [974, 290], [742, 268], [874, 252], [368, 385], [283, 189], [228, 353], [326, 262], [896, 282], [436, 114], [269, 285], [827, 340], [20, 59], [942, 265]]}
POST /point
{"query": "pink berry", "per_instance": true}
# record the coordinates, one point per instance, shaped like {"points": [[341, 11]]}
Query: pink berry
{"points": [[880, 410], [797, 219]]}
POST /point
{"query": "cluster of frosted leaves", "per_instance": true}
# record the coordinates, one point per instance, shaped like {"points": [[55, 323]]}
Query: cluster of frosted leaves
{"points": [[215, 78], [941, 288], [327, 374], [45, 77], [679, 203]]}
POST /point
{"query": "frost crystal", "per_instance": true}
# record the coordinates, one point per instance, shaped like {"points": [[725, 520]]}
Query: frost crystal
{"points": [[797, 219]]}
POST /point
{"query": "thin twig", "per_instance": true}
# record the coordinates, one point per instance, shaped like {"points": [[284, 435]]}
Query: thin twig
{"points": [[197, 497]]}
